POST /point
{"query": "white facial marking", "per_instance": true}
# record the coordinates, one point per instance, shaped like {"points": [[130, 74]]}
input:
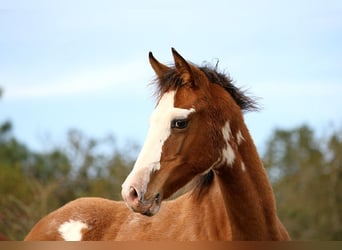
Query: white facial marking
{"points": [[239, 137], [72, 230], [227, 152], [149, 157]]}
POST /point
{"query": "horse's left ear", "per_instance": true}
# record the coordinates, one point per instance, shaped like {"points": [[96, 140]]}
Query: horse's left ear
{"points": [[183, 68]]}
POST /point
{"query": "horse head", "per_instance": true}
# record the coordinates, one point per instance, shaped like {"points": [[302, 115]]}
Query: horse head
{"points": [[185, 139]]}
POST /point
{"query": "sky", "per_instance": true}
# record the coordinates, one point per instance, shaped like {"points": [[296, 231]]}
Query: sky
{"points": [[84, 64]]}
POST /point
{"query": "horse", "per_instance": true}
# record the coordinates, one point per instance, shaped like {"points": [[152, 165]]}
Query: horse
{"points": [[197, 137]]}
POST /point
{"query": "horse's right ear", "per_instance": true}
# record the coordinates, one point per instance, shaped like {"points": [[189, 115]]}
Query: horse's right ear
{"points": [[183, 68], [158, 67]]}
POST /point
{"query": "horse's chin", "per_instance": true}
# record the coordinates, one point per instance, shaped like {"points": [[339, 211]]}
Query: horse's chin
{"points": [[148, 208], [155, 206], [154, 209]]}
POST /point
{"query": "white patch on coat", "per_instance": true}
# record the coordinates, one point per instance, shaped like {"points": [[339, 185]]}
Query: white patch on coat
{"points": [[149, 158], [243, 167], [227, 152], [239, 137], [72, 230]]}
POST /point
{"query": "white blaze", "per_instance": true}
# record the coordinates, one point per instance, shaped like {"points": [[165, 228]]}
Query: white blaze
{"points": [[160, 129], [72, 230]]}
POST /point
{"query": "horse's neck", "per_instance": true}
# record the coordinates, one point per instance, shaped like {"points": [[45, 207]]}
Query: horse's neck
{"points": [[205, 213], [247, 193]]}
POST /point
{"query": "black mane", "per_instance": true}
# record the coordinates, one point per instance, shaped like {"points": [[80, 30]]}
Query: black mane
{"points": [[245, 102], [171, 80], [203, 183]]}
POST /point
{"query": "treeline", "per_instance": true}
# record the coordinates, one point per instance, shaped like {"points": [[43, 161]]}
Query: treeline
{"points": [[305, 171], [33, 184]]}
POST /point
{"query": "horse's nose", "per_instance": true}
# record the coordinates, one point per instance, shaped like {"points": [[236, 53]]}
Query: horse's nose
{"points": [[135, 199], [132, 196]]}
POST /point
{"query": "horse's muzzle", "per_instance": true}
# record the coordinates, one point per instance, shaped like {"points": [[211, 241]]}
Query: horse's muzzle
{"points": [[137, 203]]}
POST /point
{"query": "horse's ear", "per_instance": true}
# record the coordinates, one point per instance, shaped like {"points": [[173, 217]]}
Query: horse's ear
{"points": [[158, 67], [183, 67]]}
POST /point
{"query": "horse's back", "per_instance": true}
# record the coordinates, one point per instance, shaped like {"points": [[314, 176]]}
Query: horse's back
{"points": [[81, 219], [102, 219]]}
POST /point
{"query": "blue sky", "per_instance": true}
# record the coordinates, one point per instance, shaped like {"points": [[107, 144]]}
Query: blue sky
{"points": [[83, 64]]}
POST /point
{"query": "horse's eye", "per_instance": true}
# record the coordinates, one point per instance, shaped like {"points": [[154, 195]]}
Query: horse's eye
{"points": [[179, 123]]}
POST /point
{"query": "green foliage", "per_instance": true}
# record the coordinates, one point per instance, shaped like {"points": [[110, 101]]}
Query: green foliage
{"points": [[306, 173], [33, 184]]}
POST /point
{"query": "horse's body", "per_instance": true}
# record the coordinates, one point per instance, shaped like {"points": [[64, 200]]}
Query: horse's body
{"points": [[197, 134], [111, 220]]}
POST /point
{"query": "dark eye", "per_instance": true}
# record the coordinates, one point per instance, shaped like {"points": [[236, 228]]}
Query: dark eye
{"points": [[179, 123]]}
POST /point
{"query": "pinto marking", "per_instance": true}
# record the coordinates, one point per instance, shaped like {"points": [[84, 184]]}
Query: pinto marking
{"points": [[227, 152], [243, 166], [71, 230], [239, 137]]}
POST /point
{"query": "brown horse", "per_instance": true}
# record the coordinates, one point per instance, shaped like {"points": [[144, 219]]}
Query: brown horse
{"points": [[197, 134]]}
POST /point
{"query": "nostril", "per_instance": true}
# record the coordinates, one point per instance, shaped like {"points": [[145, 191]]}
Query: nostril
{"points": [[133, 194], [157, 198]]}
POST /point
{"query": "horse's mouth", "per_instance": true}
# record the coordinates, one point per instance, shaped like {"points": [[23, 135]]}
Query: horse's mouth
{"points": [[155, 206], [148, 208]]}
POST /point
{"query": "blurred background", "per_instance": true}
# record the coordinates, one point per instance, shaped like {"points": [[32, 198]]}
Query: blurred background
{"points": [[75, 97]]}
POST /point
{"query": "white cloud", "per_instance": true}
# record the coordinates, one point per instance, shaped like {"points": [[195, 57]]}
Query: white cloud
{"points": [[99, 80]]}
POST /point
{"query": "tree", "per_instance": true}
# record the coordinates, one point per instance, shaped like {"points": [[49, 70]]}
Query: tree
{"points": [[33, 184], [306, 177]]}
